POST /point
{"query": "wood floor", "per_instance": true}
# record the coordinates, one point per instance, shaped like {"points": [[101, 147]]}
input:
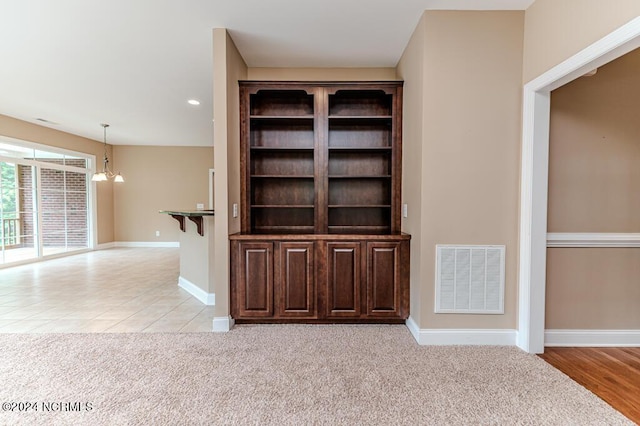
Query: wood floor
{"points": [[611, 373]]}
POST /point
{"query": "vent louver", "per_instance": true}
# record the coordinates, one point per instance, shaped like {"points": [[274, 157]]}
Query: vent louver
{"points": [[470, 279]]}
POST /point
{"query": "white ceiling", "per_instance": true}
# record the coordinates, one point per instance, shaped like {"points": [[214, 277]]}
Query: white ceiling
{"points": [[135, 63]]}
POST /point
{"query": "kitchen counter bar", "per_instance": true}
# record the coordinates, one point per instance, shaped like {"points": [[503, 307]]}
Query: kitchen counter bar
{"points": [[194, 216]]}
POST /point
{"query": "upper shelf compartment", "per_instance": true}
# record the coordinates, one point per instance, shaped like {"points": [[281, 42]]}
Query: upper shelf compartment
{"points": [[282, 134], [360, 103], [320, 157], [281, 103]]}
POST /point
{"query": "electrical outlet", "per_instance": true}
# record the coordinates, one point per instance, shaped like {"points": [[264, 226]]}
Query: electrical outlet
{"points": [[235, 210], [199, 206], [405, 210], [157, 233]]}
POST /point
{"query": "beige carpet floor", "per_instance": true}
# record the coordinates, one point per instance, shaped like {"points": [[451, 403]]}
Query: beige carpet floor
{"points": [[277, 375]]}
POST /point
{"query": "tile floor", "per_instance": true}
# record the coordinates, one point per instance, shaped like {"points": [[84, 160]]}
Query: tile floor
{"points": [[115, 290]]}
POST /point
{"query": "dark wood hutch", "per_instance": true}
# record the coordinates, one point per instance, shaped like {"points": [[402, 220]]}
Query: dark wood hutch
{"points": [[320, 240]]}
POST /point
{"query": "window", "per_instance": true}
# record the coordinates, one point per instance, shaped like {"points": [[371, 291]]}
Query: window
{"points": [[45, 195]]}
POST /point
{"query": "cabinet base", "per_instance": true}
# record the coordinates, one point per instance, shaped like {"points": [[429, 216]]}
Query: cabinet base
{"points": [[320, 279], [321, 321]]}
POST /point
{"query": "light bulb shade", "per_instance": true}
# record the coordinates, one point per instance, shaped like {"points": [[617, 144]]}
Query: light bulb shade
{"points": [[118, 178], [99, 177]]}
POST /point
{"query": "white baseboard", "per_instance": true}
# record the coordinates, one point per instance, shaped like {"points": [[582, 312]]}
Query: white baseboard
{"points": [[113, 244], [147, 244], [105, 246], [414, 329], [495, 337], [197, 292], [223, 324], [593, 338]]}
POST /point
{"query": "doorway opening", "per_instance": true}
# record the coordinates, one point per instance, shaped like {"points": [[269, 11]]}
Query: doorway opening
{"points": [[535, 172]]}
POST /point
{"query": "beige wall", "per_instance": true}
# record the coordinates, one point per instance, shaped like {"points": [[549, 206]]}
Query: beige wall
{"points": [[158, 178], [229, 67], [594, 176], [411, 70], [593, 288], [23, 130], [469, 163], [594, 154], [557, 29]]}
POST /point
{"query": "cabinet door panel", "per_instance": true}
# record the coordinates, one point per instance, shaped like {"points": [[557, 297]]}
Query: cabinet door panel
{"points": [[383, 278], [255, 292], [296, 282], [343, 283]]}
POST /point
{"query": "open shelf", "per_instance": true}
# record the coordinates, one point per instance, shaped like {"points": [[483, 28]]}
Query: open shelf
{"points": [[369, 134], [280, 149], [360, 148], [282, 134], [282, 206], [282, 191], [282, 176], [278, 103], [348, 102], [360, 192], [280, 118], [360, 162], [358, 206], [360, 117], [282, 217], [359, 218], [360, 177]]}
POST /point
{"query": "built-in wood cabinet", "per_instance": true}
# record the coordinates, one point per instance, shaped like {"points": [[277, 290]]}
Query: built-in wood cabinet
{"points": [[323, 278], [343, 279], [320, 236], [256, 275], [295, 274]]}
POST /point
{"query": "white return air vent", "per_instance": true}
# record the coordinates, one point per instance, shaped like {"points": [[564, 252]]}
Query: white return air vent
{"points": [[470, 279]]}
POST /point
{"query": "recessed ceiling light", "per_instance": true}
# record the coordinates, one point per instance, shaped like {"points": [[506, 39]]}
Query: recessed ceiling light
{"points": [[193, 102]]}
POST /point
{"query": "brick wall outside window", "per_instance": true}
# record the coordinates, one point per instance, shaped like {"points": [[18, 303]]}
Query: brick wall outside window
{"points": [[58, 206]]}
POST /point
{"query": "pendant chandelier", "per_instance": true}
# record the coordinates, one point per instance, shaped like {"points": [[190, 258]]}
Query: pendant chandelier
{"points": [[106, 173]]}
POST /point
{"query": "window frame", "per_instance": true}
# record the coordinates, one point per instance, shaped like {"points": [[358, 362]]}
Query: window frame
{"points": [[89, 170]]}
